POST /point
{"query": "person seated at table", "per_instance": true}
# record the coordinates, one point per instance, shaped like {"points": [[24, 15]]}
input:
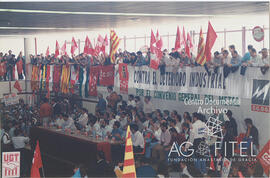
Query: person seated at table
{"points": [[94, 127], [68, 122], [82, 120], [137, 139], [59, 121], [105, 128], [116, 132]]}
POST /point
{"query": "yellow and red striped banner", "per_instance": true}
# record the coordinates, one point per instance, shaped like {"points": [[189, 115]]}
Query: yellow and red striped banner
{"points": [[201, 58], [129, 165], [114, 43], [65, 79]]}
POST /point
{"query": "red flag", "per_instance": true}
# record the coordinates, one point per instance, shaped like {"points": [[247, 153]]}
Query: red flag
{"points": [[104, 44], [94, 72], [36, 163], [47, 52], [240, 174], [74, 46], [159, 41], [86, 46], [124, 77], [91, 50], [106, 77], [189, 41], [187, 47], [156, 53], [212, 165], [98, 47], [64, 49], [210, 40], [18, 86], [57, 49], [184, 37], [153, 42], [177, 40]]}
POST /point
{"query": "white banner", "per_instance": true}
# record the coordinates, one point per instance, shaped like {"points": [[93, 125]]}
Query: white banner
{"points": [[194, 80]]}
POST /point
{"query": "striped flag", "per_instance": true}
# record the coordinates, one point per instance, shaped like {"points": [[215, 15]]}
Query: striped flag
{"points": [[201, 59], [129, 165], [114, 43]]}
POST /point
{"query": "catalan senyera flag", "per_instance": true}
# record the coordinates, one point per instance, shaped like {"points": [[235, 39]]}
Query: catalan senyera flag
{"points": [[114, 43], [201, 59], [65, 79], [129, 164]]}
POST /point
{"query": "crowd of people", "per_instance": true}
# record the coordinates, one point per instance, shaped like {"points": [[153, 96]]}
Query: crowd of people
{"points": [[230, 59], [154, 132]]}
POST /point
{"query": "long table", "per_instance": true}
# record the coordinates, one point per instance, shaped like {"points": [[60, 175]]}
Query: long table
{"points": [[75, 148]]}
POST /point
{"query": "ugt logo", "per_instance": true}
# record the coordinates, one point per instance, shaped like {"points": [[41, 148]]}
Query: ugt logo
{"points": [[11, 164], [260, 96]]}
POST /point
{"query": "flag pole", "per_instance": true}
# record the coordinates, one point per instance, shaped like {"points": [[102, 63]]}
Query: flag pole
{"points": [[43, 172]]}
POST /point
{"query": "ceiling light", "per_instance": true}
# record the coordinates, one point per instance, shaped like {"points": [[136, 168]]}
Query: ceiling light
{"points": [[102, 13]]}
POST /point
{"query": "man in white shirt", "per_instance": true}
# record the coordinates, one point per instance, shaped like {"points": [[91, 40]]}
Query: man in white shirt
{"points": [[5, 141], [265, 57], [158, 150], [94, 127], [123, 120], [148, 106], [19, 141], [137, 139], [59, 121], [197, 132], [255, 60], [69, 122], [83, 119], [105, 128], [265, 60], [131, 101], [197, 135]]}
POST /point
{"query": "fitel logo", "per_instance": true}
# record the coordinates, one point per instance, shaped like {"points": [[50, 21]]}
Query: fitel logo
{"points": [[260, 96]]}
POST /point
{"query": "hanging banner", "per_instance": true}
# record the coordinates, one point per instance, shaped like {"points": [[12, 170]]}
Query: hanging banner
{"points": [[124, 78], [57, 77], [106, 77], [94, 72], [11, 99]]}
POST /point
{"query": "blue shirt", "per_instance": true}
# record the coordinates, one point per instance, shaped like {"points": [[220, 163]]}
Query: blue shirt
{"points": [[117, 131], [101, 105], [146, 171], [246, 57], [141, 61]]}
